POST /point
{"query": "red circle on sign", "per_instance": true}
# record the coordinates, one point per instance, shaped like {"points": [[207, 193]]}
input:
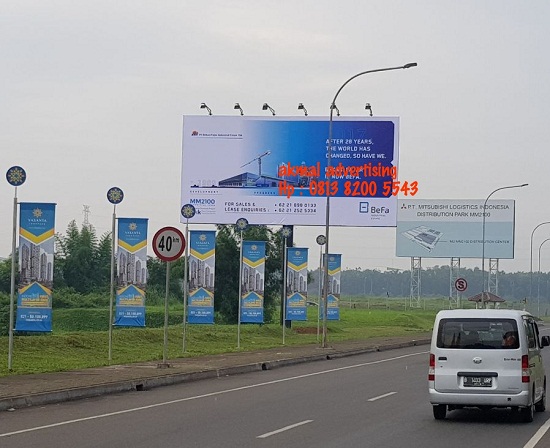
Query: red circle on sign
{"points": [[461, 284], [168, 243]]}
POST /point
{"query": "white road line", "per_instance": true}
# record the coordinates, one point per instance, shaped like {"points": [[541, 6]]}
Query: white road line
{"points": [[381, 396], [286, 428], [211, 394], [538, 435]]}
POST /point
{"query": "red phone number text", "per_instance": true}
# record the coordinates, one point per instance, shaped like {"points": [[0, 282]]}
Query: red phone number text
{"points": [[363, 188]]}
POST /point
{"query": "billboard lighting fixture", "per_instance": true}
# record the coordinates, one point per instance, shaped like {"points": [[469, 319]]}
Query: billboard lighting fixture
{"points": [[369, 108], [302, 107], [238, 106], [266, 107], [333, 106], [204, 106]]}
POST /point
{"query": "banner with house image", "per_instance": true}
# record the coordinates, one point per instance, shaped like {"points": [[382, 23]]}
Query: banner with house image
{"points": [[202, 265], [333, 293], [131, 272], [296, 283], [36, 259], [253, 281]]}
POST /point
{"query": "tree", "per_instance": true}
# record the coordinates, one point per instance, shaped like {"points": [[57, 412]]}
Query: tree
{"points": [[82, 262], [227, 270]]}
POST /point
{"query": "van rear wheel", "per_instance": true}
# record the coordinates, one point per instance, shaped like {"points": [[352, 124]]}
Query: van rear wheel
{"points": [[540, 406], [528, 414], [440, 411]]}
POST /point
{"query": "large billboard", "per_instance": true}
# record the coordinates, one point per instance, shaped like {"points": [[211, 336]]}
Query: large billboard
{"points": [[275, 170], [442, 228]]}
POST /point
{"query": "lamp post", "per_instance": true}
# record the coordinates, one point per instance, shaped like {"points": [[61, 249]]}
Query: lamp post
{"points": [[187, 211], [531, 259], [16, 176], [329, 156], [538, 279], [483, 239], [115, 196]]}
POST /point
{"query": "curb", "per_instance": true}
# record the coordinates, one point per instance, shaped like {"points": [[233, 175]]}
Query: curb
{"points": [[12, 403]]}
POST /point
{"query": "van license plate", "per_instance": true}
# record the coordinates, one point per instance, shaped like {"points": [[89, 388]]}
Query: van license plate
{"points": [[478, 381]]}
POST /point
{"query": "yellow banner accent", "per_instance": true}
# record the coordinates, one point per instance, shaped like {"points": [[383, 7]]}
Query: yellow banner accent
{"points": [[203, 256], [133, 248], [253, 264], [297, 267], [36, 239]]}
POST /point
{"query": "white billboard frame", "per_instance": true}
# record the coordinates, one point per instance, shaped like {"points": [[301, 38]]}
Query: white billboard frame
{"points": [[271, 170], [453, 228]]}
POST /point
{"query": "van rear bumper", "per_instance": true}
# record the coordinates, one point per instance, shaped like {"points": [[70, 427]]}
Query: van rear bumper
{"points": [[469, 399]]}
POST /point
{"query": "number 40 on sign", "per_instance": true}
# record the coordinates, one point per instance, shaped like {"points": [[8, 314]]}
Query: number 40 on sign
{"points": [[168, 243]]}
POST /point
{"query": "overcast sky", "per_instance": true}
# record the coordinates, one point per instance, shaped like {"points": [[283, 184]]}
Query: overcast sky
{"points": [[93, 94]]}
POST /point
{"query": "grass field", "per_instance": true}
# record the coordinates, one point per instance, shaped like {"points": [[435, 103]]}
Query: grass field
{"points": [[66, 350]]}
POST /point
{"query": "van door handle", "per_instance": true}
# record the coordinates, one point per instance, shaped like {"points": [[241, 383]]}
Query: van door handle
{"points": [[442, 358]]}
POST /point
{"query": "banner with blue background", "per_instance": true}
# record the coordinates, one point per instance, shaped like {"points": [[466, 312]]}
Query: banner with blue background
{"points": [[253, 281], [333, 297], [132, 272], [36, 262], [296, 283], [202, 264]]}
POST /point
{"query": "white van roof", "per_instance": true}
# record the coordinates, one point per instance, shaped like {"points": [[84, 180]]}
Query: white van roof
{"points": [[484, 313]]}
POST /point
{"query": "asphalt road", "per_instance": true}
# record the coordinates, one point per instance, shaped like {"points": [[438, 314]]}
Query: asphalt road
{"points": [[376, 399]]}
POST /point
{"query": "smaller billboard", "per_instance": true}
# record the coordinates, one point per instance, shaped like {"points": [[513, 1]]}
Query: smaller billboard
{"points": [[446, 228]]}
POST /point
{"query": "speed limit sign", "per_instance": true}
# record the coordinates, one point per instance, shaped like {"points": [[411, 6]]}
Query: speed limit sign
{"points": [[461, 284], [168, 243]]}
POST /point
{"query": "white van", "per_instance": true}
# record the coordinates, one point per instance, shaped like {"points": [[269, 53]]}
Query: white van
{"points": [[487, 358]]}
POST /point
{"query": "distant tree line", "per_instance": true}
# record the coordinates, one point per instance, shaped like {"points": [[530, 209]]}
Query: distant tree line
{"points": [[435, 282]]}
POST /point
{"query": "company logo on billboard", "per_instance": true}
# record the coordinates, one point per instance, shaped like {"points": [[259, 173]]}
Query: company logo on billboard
{"points": [[363, 207], [195, 133]]}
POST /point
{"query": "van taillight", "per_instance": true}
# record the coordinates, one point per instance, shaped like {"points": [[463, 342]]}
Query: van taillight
{"points": [[525, 376], [431, 370]]}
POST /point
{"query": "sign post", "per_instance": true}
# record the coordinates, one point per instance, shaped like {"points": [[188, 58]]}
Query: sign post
{"points": [[168, 245]]}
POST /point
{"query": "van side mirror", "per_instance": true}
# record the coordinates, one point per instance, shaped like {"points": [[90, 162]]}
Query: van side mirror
{"points": [[545, 341]]}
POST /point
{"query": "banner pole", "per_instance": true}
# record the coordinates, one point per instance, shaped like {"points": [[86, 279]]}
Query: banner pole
{"points": [[240, 292], [185, 283], [284, 288], [12, 289], [111, 299]]}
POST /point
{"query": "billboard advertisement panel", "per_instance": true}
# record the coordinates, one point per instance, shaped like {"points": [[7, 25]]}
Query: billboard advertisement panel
{"points": [[445, 228], [275, 170]]}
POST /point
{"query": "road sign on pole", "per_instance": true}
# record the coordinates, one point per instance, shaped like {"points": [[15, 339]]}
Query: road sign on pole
{"points": [[461, 284], [168, 243]]}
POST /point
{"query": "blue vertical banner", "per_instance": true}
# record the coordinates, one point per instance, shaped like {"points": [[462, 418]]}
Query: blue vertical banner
{"points": [[202, 264], [252, 282], [333, 293], [132, 272], [36, 258], [296, 283]]}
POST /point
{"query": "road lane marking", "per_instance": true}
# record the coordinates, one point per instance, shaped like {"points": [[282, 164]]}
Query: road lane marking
{"points": [[286, 428], [382, 396], [538, 435], [211, 394]]}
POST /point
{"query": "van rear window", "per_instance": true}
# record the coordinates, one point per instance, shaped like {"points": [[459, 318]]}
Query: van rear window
{"points": [[478, 333]]}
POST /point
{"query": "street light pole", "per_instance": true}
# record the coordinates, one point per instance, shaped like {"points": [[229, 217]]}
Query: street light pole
{"points": [[329, 157], [531, 259], [538, 279], [483, 240]]}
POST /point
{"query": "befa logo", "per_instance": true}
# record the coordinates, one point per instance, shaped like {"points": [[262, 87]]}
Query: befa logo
{"points": [[380, 210], [363, 207]]}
